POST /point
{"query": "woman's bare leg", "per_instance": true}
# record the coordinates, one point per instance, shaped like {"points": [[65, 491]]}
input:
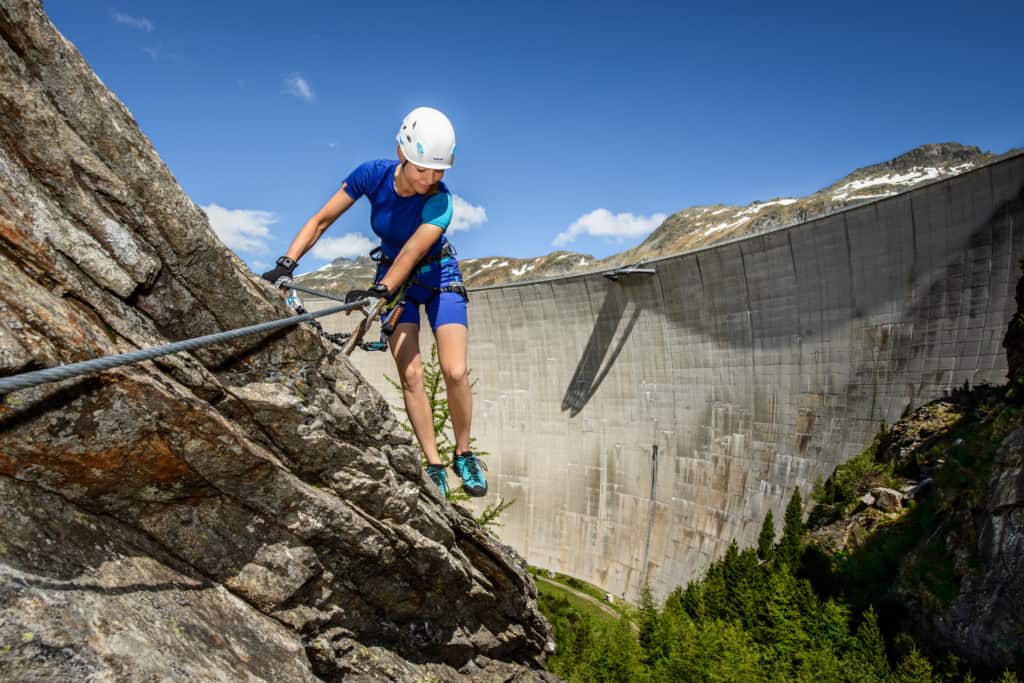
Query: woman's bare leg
{"points": [[451, 352], [405, 347]]}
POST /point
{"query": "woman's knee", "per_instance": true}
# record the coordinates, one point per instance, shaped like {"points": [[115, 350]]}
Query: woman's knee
{"points": [[454, 373], [412, 376]]}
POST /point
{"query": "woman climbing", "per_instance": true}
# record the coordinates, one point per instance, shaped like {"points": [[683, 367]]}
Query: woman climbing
{"points": [[410, 211]]}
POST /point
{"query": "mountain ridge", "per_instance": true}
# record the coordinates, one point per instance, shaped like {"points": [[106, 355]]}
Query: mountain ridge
{"points": [[700, 226]]}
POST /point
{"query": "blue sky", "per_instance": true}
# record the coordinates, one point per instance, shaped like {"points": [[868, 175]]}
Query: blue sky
{"points": [[561, 110]]}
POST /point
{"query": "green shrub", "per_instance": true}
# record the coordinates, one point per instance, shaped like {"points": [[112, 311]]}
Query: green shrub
{"points": [[851, 480]]}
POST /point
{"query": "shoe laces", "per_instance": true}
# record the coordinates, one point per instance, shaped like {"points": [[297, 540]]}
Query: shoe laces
{"points": [[471, 463]]}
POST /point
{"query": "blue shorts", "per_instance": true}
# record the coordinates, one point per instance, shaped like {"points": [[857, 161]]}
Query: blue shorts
{"points": [[443, 308]]}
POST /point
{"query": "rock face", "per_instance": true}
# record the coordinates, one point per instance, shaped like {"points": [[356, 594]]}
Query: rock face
{"points": [[922, 428], [956, 546], [981, 621], [985, 619], [249, 512]]}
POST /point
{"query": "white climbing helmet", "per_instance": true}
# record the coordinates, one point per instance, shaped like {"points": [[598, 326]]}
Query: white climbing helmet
{"points": [[427, 138]]}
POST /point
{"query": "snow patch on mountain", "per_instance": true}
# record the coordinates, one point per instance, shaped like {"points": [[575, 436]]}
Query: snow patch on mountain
{"points": [[912, 176], [726, 226], [493, 263]]}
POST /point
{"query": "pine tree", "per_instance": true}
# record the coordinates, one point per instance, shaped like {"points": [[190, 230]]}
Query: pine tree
{"points": [[712, 651], [766, 539], [713, 593], [866, 660], [575, 646], [648, 622], [745, 581], [914, 668], [732, 577], [791, 544], [691, 600], [948, 669], [779, 629], [818, 664], [616, 655]]}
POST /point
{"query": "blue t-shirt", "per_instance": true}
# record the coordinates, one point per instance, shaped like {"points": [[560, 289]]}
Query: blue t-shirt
{"points": [[394, 218]]}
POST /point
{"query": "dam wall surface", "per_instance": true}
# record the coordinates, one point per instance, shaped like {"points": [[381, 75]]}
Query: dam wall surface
{"points": [[643, 424]]}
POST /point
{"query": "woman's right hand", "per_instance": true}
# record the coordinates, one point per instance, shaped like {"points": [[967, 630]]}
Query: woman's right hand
{"points": [[281, 274]]}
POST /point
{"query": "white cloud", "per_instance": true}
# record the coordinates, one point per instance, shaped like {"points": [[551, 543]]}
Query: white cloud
{"points": [[466, 215], [241, 229], [134, 22], [604, 223], [299, 87], [349, 246]]}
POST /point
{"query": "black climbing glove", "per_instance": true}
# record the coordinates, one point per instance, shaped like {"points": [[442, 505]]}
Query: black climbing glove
{"points": [[378, 291], [281, 275]]}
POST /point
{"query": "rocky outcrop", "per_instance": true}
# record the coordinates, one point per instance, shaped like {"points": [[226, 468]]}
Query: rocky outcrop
{"points": [[985, 620], [902, 443], [850, 533], [248, 512], [976, 614], [886, 499], [951, 542]]}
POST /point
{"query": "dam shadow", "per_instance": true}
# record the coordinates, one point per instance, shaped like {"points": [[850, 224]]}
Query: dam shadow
{"points": [[612, 329]]}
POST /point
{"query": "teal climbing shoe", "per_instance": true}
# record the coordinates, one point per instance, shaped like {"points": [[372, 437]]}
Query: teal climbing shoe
{"points": [[440, 477], [468, 467]]}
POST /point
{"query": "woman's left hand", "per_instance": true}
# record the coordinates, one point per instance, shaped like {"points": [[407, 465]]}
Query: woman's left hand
{"points": [[378, 291]]}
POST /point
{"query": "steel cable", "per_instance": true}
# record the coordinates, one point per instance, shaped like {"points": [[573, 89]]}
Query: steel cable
{"points": [[31, 379], [307, 290]]}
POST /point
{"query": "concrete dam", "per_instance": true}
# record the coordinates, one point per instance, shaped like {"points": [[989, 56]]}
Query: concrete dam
{"points": [[643, 424]]}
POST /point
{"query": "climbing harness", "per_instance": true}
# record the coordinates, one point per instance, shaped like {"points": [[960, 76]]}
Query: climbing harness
{"points": [[388, 310], [447, 251]]}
